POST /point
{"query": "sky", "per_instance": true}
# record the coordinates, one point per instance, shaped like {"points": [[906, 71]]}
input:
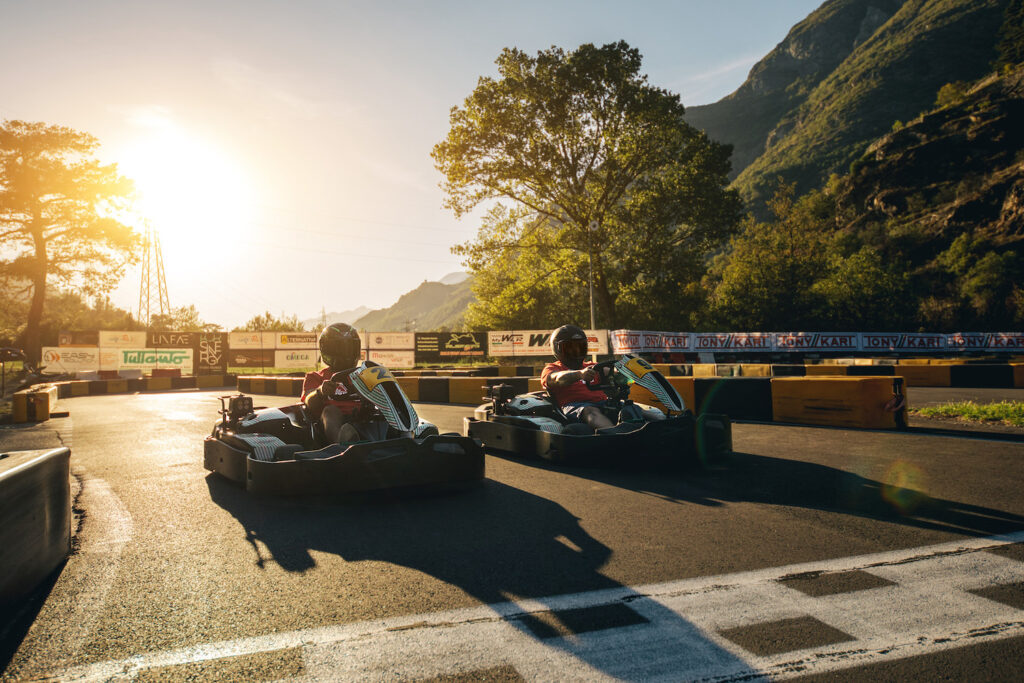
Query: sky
{"points": [[282, 150]]}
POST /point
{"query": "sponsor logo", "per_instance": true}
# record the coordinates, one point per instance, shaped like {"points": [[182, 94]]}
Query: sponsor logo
{"points": [[466, 342], [542, 339], [713, 341], [1007, 341], [148, 356], [171, 338], [298, 339], [299, 355]]}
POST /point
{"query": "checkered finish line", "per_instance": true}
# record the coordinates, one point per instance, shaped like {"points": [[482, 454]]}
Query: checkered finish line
{"points": [[766, 624]]}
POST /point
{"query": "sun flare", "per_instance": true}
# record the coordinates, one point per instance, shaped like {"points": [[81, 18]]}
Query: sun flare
{"points": [[188, 190]]}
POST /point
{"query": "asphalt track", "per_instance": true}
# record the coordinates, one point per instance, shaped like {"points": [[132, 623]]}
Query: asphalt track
{"points": [[818, 553]]}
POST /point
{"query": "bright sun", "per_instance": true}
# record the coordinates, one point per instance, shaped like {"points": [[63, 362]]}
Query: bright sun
{"points": [[189, 191]]}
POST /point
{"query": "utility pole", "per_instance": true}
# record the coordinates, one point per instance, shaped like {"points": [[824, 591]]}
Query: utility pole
{"points": [[590, 279], [152, 271]]}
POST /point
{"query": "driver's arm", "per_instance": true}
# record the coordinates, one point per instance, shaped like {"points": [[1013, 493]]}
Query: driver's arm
{"points": [[567, 377], [316, 399]]}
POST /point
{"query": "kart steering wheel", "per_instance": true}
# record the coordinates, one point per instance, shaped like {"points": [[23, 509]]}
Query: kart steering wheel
{"points": [[606, 371]]}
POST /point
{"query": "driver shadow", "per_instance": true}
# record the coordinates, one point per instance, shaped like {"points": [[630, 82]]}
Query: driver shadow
{"points": [[496, 543]]}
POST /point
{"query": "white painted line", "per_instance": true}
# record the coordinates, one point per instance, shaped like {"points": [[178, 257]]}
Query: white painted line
{"points": [[928, 610]]}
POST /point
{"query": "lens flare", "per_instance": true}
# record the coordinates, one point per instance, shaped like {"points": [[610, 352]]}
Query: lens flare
{"points": [[903, 486]]}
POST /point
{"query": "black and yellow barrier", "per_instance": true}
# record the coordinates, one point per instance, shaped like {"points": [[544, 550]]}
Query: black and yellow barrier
{"points": [[434, 389], [862, 402], [35, 403], [755, 370], [35, 519], [924, 375], [862, 370], [981, 376], [1018, 374], [789, 370], [825, 369]]}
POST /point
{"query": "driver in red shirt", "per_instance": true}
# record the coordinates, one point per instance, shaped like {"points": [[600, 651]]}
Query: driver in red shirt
{"points": [[334, 403], [570, 379]]}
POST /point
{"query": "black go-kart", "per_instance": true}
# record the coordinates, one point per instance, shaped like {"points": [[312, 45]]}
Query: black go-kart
{"points": [[284, 451], [532, 425]]}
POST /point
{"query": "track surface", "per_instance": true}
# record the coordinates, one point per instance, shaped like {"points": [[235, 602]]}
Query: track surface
{"points": [[906, 551]]}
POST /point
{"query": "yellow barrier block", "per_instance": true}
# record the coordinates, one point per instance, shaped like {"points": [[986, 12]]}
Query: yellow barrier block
{"points": [[158, 384], [836, 401], [410, 387], [19, 406], [118, 386], [533, 384], [915, 361], [209, 381], [663, 368], [466, 389], [43, 401], [282, 386], [755, 370], [256, 385], [703, 370], [1018, 374], [506, 371], [817, 370], [923, 375], [80, 388]]}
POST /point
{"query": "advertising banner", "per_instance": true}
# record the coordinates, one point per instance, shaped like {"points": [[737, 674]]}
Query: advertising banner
{"points": [[148, 359], [252, 340], [817, 341], [968, 341], [396, 341], [88, 338], [627, 341], [211, 352], [295, 358], [70, 359], [296, 340], [171, 340], [110, 358], [251, 358], [736, 342], [439, 346], [393, 359], [1006, 341], [538, 342], [109, 339], [901, 341]]}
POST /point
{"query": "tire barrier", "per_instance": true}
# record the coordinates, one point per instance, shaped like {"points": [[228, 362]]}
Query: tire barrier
{"points": [[35, 519], [862, 402]]}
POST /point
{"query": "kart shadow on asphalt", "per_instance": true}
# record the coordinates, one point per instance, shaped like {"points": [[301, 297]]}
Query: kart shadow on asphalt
{"points": [[495, 542], [746, 477]]}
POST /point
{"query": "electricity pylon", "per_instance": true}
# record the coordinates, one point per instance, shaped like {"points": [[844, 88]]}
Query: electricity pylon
{"points": [[148, 289]]}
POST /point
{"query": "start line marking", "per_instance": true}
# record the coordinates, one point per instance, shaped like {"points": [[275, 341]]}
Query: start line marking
{"points": [[923, 600]]}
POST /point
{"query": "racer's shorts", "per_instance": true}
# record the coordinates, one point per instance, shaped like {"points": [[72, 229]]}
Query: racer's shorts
{"points": [[574, 411]]}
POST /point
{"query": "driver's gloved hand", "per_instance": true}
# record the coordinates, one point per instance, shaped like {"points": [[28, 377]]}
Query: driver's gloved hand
{"points": [[328, 388]]}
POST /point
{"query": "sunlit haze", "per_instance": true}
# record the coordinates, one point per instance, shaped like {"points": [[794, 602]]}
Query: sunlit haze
{"points": [[283, 150]]}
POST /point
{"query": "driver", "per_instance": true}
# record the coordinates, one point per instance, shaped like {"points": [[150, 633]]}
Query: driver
{"points": [[570, 379], [334, 403]]}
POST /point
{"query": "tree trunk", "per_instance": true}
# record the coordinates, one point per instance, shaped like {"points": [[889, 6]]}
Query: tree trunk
{"points": [[33, 347], [604, 297]]}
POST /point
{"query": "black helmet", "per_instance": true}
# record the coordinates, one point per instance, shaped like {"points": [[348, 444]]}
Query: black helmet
{"points": [[339, 345], [569, 344]]}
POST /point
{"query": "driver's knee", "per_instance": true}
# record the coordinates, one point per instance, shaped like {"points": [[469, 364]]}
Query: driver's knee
{"points": [[333, 419], [653, 415], [594, 417]]}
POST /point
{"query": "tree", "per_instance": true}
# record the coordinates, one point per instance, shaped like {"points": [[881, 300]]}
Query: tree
{"points": [[57, 208], [266, 322], [181, 319], [595, 163]]}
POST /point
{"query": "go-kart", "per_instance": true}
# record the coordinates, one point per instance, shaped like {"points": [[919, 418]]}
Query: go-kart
{"points": [[532, 424], [284, 450]]}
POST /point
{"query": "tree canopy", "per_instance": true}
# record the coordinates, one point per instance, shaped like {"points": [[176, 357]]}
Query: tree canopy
{"points": [[575, 155], [266, 322], [57, 217]]}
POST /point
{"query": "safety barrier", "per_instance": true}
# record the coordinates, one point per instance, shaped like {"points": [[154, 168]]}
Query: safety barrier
{"points": [[1018, 374], [863, 402], [35, 519], [34, 404]]}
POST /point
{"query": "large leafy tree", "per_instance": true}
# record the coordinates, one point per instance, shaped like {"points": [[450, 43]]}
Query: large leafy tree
{"points": [[585, 159], [57, 208], [266, 322]]}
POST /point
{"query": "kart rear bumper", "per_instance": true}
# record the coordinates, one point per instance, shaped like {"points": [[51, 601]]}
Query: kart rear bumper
{"points": [[431, 462]]}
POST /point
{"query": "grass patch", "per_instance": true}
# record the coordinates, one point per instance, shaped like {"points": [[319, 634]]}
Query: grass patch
{"points": [[1005, 412]]}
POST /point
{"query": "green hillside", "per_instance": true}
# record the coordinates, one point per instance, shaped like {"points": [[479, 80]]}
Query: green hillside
{"points": [[841, 79], [431, 306]]}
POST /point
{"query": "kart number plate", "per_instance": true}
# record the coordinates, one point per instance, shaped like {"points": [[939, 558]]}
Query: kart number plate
{"points": [[375, 375], [639, 367]]}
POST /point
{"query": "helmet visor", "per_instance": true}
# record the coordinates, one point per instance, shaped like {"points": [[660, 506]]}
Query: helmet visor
{"points": [[341, 352], [573, 348]]}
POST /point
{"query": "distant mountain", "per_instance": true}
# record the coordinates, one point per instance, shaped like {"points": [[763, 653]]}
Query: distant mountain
{"points": [[453, 278], [841, 79], [431, 306], [333, 317]]}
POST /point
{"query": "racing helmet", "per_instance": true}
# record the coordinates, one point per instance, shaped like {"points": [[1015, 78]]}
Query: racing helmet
{"points": [[569, 344], [339, 345]]}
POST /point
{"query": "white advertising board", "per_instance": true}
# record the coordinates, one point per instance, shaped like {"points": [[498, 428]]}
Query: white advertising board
{"points": [[393, 359], [817, 341], [296, 340], [252, 340], [901, 341], [149, 359], [70, 359], [538, 342], [394, 341], [736, 342], [647, 341], [295, 358], [1006, 341], [122, 340]]}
